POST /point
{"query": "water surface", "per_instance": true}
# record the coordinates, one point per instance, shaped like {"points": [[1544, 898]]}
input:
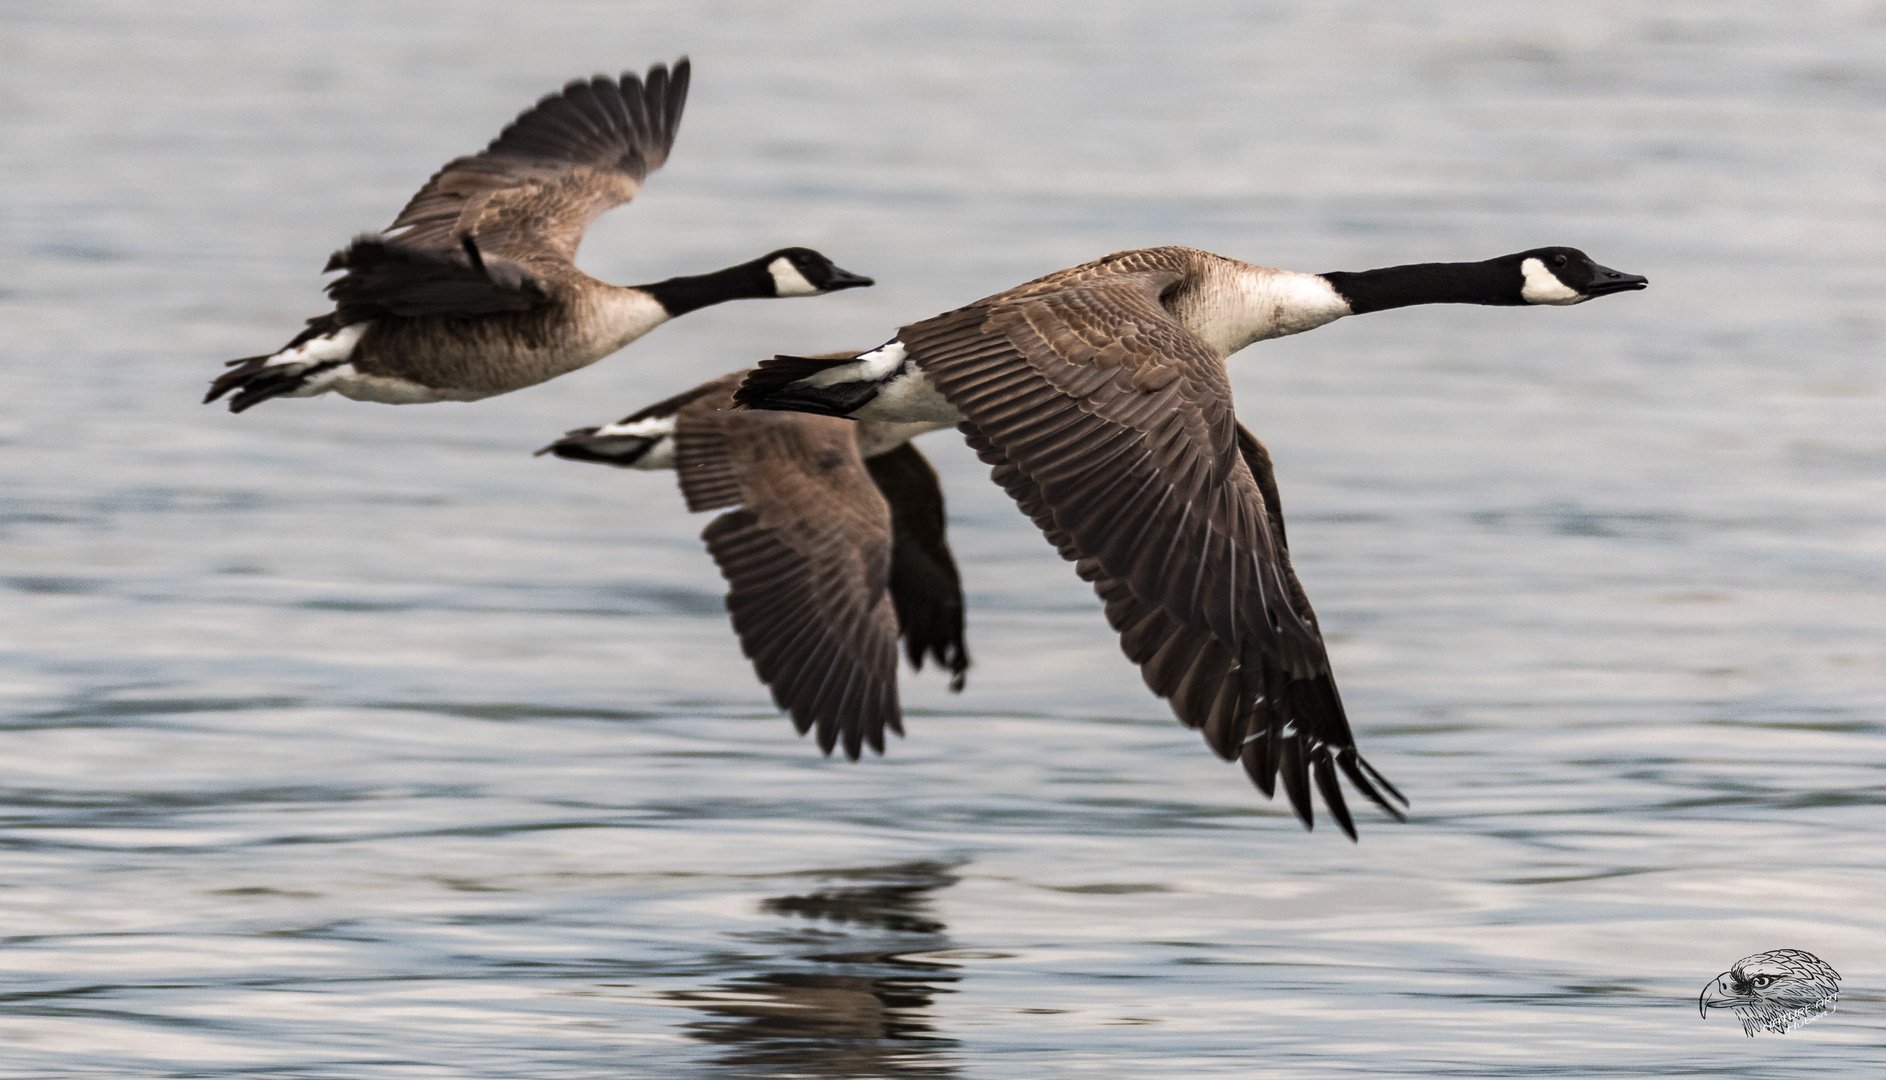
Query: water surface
{"points": [[348, 741]]}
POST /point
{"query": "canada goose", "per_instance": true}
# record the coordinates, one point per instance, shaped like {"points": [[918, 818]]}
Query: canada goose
{"points": [[836, 549], [1099, 395], [472, 291]]}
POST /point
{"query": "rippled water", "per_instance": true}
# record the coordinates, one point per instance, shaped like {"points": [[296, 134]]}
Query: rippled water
{"points": [[349, 741]]}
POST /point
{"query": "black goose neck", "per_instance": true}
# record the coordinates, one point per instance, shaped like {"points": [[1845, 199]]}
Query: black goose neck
{"points": [[680, 295], [1490, 282]]}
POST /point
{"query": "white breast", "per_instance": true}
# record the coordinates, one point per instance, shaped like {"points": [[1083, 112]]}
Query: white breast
{"points": [[1238, 304], [619, 316]]}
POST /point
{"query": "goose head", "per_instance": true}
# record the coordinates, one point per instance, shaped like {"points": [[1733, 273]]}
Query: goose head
{"points": [[798, 271], [1561, 276]]}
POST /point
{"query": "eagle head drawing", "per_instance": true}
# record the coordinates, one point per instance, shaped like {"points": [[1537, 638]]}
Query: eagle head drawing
{"points": [[1776, 991]]}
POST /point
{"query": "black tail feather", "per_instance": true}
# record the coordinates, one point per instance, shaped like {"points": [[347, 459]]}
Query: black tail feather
{"points": [[255, 381], [769, 387], [583, 444]]}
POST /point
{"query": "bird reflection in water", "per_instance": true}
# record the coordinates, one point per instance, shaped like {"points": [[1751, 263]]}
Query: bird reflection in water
{"points": [[855, 1007]]}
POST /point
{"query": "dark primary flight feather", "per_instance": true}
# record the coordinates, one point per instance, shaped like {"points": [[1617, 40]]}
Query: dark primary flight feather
{"points": [[925, 586]]}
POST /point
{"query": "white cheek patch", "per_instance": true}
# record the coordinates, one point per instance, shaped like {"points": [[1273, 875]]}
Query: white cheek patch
{"points": [[1544, 287], [788, 281], [874, 366]]}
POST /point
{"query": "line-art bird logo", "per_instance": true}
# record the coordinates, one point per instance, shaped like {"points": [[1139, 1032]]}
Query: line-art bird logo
{"points": [[1776, 991]]}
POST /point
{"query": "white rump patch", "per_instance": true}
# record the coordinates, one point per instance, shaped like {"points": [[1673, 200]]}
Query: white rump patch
{"points": [[875, 366], [788, 281], [652, 427], [345, 381], [1543, 286], [657, 457], [338, 345], [905, 396]]}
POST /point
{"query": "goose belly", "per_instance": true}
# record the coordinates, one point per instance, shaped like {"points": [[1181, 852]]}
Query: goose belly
{"points": [[908, 397], [392, 389]]}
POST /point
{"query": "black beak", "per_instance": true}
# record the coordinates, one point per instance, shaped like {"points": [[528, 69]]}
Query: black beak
{"points": [[845, 279], [1606, 280]]}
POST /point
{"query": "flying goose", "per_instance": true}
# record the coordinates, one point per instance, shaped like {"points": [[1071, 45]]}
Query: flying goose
{"points": [[473, 291], [836, 550], [1100, 397]]}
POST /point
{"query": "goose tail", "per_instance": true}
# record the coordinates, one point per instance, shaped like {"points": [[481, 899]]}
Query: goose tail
{"points": [[291, 372], [808, 384]]}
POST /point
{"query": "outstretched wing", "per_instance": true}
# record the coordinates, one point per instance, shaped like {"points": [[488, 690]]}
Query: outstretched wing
{"points": [[925, 586], [1110, 424], [561, 163], [807, 556], [477, 237]]}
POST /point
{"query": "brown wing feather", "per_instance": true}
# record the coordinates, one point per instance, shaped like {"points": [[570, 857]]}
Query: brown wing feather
{"points": [[540, 183], [1110, 424], [808, 559]]}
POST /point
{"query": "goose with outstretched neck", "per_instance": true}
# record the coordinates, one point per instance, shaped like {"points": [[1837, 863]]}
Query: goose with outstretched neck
{"points": [[1099, 396]]}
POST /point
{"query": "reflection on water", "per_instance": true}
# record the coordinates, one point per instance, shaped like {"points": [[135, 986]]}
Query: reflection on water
{"points": [[859, 1005]]}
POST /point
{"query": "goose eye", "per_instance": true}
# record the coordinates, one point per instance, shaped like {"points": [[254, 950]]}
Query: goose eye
{"points": [[1558, 260]]}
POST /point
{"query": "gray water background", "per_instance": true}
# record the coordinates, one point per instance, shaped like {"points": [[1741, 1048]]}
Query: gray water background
{"points": [[343, 740]]}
